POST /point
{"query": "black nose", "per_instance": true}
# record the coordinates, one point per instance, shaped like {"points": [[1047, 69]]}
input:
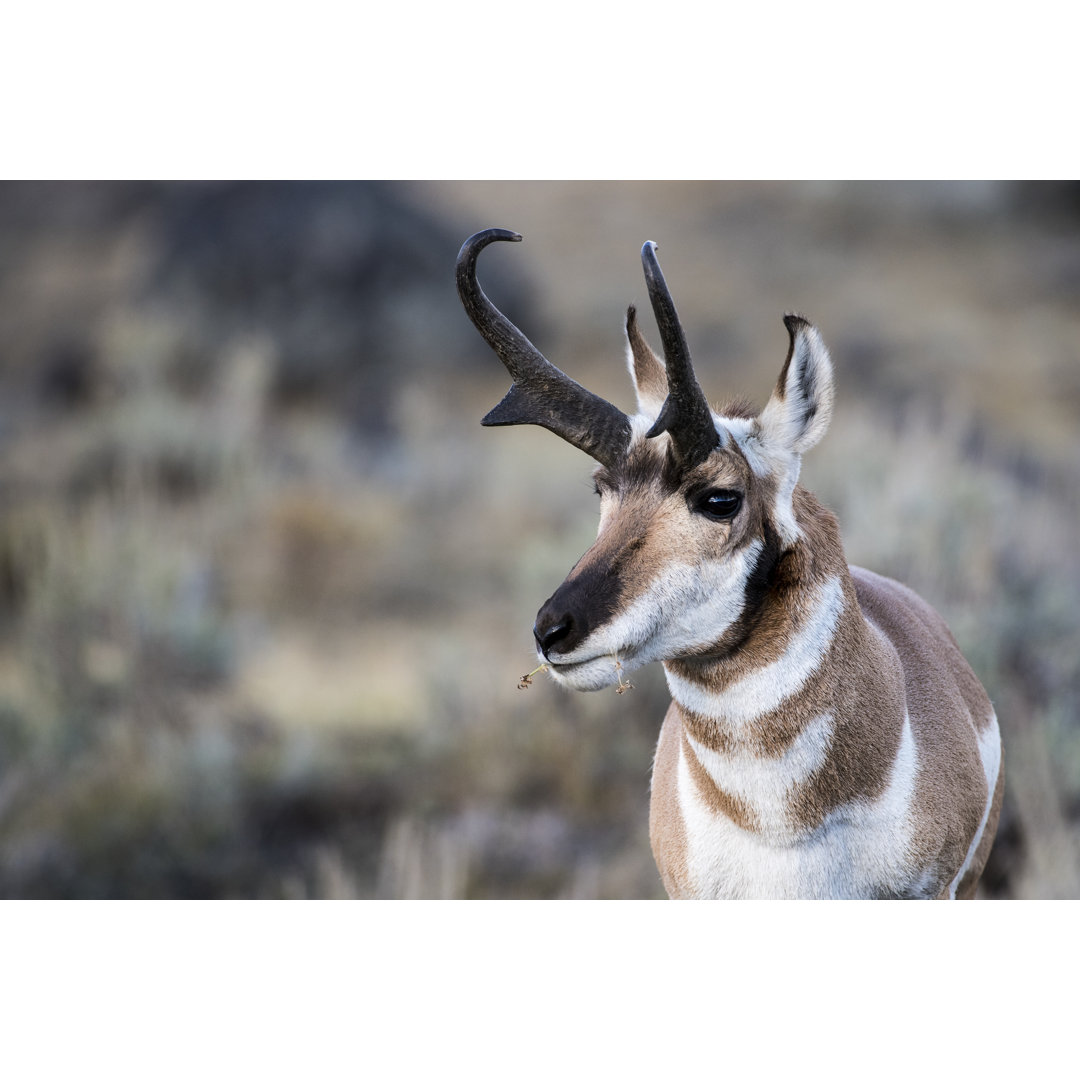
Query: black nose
{"points": [[550, 630], [572, 613]]}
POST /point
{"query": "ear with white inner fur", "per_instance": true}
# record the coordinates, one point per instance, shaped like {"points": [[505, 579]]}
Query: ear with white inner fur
{"points": [[646, 368], [799, 411]]}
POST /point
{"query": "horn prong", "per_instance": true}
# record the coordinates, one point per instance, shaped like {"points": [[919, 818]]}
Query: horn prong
{"points": [[541, 393], [686, 415]]}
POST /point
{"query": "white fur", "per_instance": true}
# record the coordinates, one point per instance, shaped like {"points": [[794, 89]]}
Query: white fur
{"points": [[685, 609], [790, 424], [766, 688], [745, 433], [640, 423], [786, 421], [787, 473], [647, 404], [765, 784], [768, 456], [989, 740], [859, 851]]}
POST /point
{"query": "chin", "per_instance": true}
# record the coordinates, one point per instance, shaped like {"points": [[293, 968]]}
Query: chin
{"points": [[597, 673]]}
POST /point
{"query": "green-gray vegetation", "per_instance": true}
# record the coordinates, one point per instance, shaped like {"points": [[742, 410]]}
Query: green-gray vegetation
{"points": [[266, 585]]}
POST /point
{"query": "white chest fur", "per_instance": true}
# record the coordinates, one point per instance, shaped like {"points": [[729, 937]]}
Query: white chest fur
{"points": [[861, 850]]}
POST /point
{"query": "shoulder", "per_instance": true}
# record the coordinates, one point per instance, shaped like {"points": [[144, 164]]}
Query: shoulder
{"points": [[890, 603]]}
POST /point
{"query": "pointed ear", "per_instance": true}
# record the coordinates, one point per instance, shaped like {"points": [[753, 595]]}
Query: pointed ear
{"points": [[799, 411], [646, 368]]}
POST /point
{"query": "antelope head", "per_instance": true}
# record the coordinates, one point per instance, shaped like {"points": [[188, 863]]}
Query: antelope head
{"points": [[697, 508]]}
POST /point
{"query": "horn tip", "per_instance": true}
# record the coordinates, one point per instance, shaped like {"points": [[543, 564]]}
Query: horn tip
{"points": [[486, 236]]}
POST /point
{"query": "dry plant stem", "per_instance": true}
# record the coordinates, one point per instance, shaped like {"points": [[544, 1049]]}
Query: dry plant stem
{"points": [[623, 686], [526, 680]]}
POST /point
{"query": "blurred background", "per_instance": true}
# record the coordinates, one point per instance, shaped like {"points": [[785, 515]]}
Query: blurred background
{"points": [[267, 586]]}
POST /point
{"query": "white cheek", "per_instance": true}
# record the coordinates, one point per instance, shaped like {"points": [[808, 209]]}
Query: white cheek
{"points": [[685, 608], [768, 687]]}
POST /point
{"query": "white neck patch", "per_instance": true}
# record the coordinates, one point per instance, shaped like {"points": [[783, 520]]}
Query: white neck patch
{"points": [[861, 850], [765, 784], [766, 688]]}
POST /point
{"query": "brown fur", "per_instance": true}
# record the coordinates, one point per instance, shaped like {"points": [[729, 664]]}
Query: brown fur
{"points": [[882, 623], [969, 883], [650, 376], [718, 800], [946, 704], [667, 833], [866, 703], [890, 649]]}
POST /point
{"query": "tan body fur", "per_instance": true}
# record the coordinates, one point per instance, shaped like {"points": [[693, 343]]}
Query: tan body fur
{"points": [[867, 686]]}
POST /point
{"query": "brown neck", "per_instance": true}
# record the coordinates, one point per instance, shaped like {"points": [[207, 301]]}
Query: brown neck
{"points": [[810, 686], [783, 598]]}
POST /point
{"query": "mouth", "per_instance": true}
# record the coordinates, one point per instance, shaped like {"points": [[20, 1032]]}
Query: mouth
{"points": [[593, 673]]}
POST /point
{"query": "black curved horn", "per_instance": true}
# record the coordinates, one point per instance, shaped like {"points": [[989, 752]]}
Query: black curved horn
{"points": [[541, 393], [686, 415]]}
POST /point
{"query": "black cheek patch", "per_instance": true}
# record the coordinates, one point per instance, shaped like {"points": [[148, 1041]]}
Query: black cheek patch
{"points": [[760, 578], [759, 585]]}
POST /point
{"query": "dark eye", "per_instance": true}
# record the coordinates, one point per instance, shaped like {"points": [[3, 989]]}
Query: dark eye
{"points": [[720, 504]]}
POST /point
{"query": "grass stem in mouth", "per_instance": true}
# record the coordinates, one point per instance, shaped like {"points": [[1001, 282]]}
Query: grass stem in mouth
{"points": [[526, 680]]}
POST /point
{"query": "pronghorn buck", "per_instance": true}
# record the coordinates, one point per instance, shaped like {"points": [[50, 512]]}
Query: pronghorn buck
{"points": [[826, 738]]}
